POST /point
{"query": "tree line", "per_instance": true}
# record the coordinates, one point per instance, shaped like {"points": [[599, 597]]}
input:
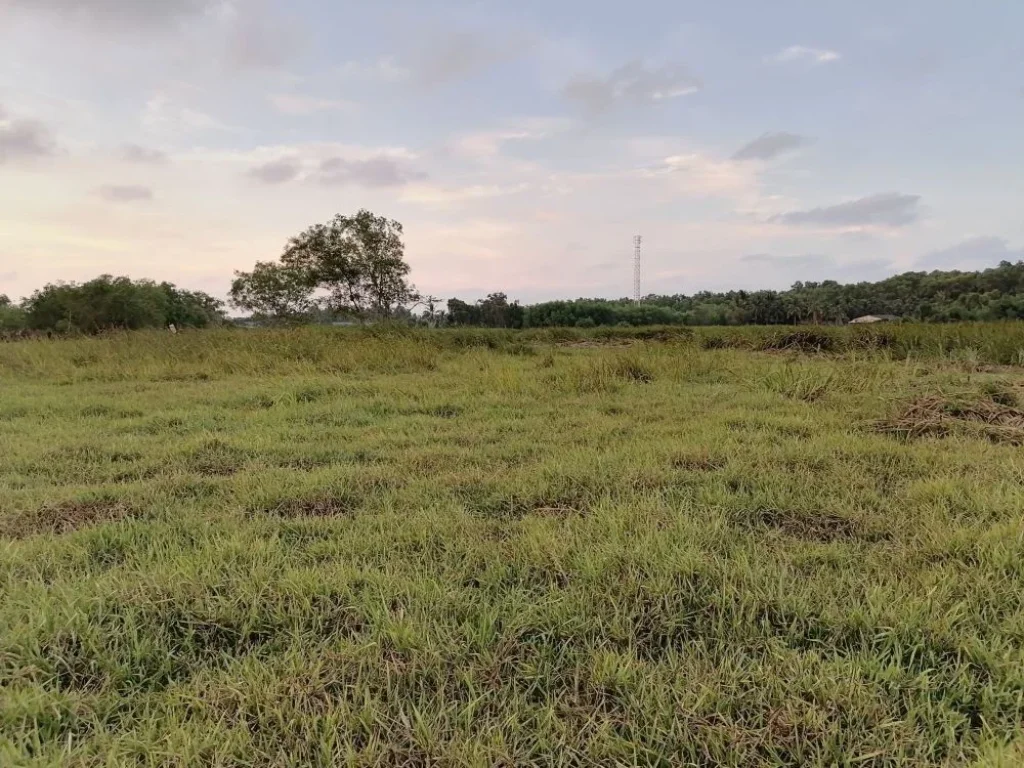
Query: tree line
{"points": [[990, 294], [354, 267], [109, 303]]}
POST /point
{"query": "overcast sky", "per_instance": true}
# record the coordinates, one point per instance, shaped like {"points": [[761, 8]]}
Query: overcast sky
{"points": [[522, 144]]}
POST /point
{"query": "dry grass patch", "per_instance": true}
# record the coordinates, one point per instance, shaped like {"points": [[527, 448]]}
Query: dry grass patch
{"points": [[941, 416], [65, 517], [824, 527]]}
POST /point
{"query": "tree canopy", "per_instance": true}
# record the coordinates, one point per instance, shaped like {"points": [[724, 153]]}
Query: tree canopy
{"points": [[351, 265], [991, 294], [493, 312], [108, 303]]}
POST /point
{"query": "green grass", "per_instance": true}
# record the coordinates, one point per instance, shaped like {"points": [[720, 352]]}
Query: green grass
{"points": [[471, 548]]}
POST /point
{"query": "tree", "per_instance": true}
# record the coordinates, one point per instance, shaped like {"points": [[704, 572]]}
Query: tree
{"points": [[274, 290], [191, 309], [352, 265], [108, 303], [358, 260], [12, 317]]}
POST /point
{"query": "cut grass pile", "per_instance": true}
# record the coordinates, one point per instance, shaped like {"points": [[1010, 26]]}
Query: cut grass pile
{"points": [[472, 549]]}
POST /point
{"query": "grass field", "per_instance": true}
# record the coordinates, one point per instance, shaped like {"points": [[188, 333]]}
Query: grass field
{"points": [[469, 548]]}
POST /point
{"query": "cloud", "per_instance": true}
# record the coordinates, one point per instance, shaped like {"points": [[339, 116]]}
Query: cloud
{"points": [[277, 171], [164, 113], [701, 175], [462, 54], [634, 83], [259, 38], [489, 143], [128, 193], [24, 140], [971, 254], [379, 171], [122, 14], [293, 104], [887, 210], [134, 153], [770, 145], [441, 197], [802, 53]]}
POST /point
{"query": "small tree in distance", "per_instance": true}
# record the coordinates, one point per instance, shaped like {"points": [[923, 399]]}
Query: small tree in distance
{"points": [[273, 290], [356, 263]]}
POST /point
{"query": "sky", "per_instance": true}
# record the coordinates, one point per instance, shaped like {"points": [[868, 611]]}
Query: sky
{"points": [[521, 144]]}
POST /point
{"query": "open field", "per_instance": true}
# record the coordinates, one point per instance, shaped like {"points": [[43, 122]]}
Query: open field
{"points": [[317, 547]]}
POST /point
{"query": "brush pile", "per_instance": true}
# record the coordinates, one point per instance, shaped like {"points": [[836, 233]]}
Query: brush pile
{"points": [[940, 416]]}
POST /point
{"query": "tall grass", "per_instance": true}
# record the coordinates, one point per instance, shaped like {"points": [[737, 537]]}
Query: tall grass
{"points": [[470, 548]]}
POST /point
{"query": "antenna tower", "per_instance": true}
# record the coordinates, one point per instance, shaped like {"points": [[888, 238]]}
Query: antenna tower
{"points": [[637, 242]]}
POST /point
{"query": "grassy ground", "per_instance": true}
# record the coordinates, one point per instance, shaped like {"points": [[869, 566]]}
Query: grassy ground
{"points": [[322, 548]]}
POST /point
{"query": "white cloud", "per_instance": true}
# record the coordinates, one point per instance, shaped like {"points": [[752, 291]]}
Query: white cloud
{"points": [[805, 54]]}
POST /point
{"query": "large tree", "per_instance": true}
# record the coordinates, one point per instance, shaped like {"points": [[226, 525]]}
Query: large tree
{"points": [[356, 264]]}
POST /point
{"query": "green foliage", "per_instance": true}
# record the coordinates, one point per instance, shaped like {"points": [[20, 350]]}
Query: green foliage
{"points": [[274, 291], [493, 312], [586, 313], [992, 294], [109, 303], [12, 317], [799, 382], [355, 263], [398, 547]]}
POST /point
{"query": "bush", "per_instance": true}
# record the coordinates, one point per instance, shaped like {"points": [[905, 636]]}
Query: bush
{"points": [[109, 303]]}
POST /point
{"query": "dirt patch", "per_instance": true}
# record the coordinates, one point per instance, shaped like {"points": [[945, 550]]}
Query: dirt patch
{"points": [[326, 506], [814, 526], [939, 416], [65, 517]]}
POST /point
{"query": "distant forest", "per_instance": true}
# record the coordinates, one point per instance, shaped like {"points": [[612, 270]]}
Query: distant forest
{"points": [[992, 294], [108, 303]]}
